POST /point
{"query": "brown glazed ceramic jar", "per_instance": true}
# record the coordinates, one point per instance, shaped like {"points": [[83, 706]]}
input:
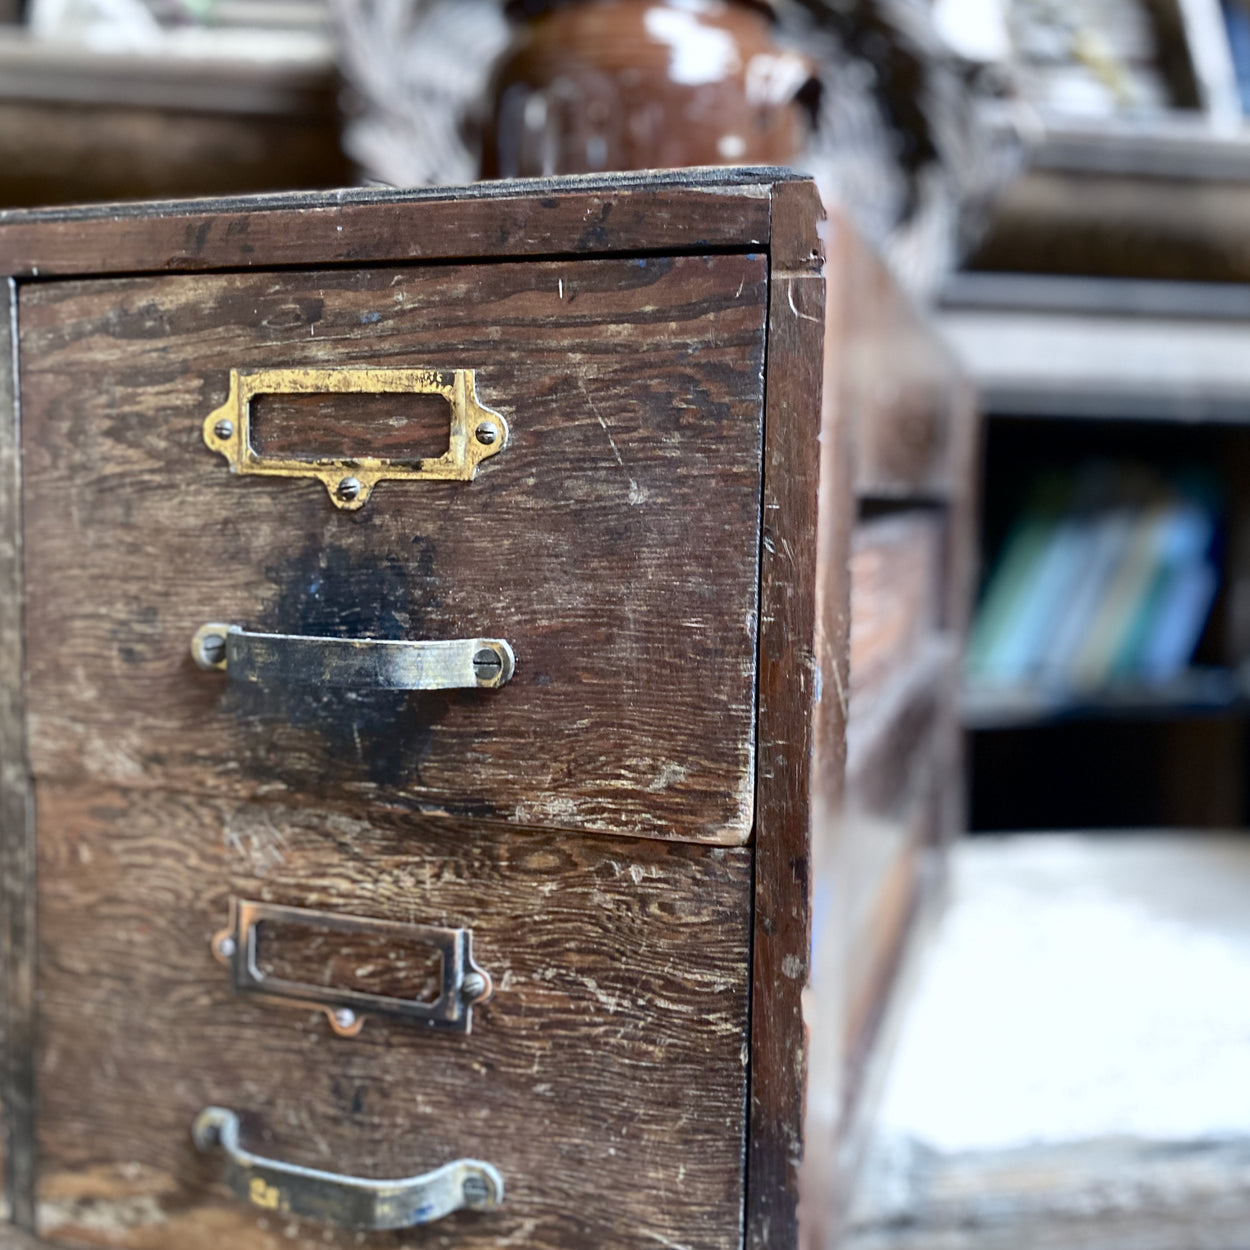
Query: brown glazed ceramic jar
{"points": [[590, 85]]}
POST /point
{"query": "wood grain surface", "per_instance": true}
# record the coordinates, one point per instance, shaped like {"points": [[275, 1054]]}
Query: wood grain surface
{"points": [[17, 858], [802, 667], [899, 773], [614, 542], [902, 390], [896, 594], [305, 427], [382, 961], [605, 1078], [12, 715], [686, 210], [642, 1074]]}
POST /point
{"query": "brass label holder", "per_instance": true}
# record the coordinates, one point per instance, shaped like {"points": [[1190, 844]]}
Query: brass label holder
{"points": [[476, 432]]}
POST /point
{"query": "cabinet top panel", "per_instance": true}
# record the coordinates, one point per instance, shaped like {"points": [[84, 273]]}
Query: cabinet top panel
{"points": [[686, 210]]}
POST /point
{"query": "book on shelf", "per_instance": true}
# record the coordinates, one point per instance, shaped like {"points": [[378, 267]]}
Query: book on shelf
{"points": [[1107, 577]]}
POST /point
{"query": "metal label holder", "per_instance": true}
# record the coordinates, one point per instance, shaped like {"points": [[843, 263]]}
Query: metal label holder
{"points": [[476, 432], [463, 983]]}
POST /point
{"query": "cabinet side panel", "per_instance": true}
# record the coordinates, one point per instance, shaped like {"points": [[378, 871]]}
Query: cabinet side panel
{"points": [[824, 1007], [790, 690], [16, 856]]}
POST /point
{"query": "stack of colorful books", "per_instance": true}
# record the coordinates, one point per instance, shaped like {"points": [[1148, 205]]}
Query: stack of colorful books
{"points": [[1106, 578]]}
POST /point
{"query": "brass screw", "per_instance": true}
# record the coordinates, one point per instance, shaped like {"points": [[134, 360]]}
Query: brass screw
{"points": [[486, 433], [348, 488], [224, 429]]}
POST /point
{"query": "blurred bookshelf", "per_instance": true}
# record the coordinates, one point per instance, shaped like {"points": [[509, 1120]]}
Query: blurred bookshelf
{"points": [[1107, 682]]}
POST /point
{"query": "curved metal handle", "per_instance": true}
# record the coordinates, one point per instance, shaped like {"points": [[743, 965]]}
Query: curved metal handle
{"points": [[346, 1201], [355, 663]]}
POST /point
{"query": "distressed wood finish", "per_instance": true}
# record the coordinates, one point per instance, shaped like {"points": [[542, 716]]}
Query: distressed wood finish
{"points": [[304, 427], [17, 895], [908, 439], [820, 1177], [906, 409], [802, 668], [689, 364], [899, 771], [613, 542], [896, 594], [12, 714], [693, 211], [604, 1078]]}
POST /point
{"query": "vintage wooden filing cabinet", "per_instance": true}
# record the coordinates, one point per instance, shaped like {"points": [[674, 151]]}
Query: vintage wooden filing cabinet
{"points": [[422, 714]]}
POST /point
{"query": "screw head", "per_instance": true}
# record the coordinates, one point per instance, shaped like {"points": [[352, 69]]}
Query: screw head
{"points": [[349, 488], [486, 433], [224, 429], [212, 649], [487, 664], [345, 1017], [475, 1189], [206, 1132], [473, 986], [226, 948]]}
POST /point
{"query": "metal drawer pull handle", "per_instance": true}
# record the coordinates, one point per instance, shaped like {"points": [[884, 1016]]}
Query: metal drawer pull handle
{"points": [[346, 1201], [475, 432], [353, 663], [461, 983]]}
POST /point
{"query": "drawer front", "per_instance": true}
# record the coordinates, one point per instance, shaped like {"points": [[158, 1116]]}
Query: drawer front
{"points": [[612, 541], [604, 1078]]}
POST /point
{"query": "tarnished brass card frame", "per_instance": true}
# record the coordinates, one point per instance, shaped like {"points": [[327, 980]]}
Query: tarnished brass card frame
{"points": [[476, 432]]}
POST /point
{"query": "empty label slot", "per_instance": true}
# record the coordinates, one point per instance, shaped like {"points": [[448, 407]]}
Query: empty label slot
{"points": [[368, 963], [405, 427]]}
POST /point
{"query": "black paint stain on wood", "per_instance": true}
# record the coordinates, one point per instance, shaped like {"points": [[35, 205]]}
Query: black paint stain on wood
{"points": [[380, 736]]}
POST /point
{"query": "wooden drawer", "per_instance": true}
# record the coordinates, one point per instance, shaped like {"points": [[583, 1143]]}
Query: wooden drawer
{"points": [[612, 541], [604, 1078]]}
